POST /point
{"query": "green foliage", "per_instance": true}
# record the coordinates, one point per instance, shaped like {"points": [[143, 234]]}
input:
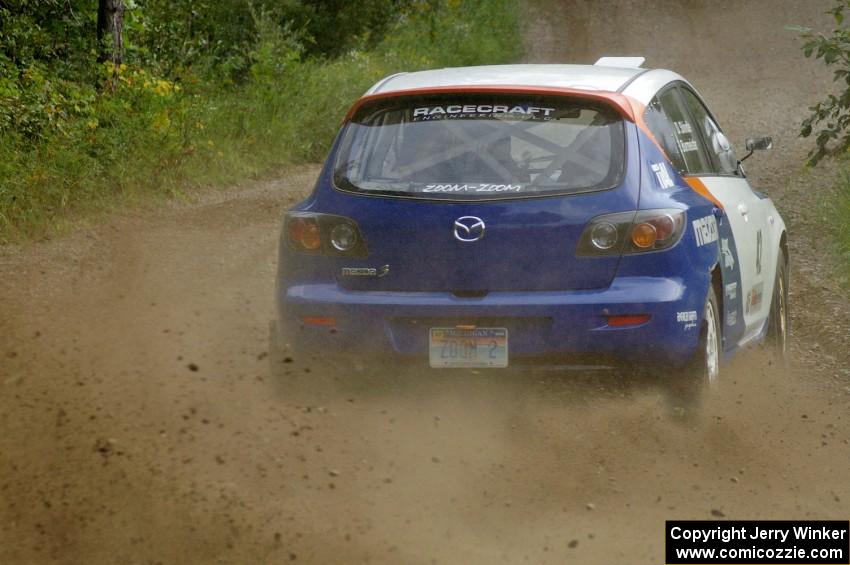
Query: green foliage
{"points": [[830, 118], [838, 216], [200, 101]]}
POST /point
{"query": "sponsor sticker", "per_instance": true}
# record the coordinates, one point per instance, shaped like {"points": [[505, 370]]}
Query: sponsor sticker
{"points": [[472, 187], [705, 230], [732, 291], [754, 298], [728, 259], [688, 318], [482, 111], [731, 318], [662, 175]]}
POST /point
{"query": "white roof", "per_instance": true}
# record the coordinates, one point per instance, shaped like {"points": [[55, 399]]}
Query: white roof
{"points": [[588, 77]]}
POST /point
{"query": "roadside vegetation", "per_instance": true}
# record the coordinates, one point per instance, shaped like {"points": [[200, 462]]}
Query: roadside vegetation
{"points": [[158, 96], [829, 125]]}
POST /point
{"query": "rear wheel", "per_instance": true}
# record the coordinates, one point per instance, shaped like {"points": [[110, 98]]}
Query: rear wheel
{"points": [[703, 371], [778, 328]]}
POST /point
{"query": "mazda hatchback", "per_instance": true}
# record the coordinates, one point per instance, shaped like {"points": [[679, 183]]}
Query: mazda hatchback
{"points": [[494, 216]]}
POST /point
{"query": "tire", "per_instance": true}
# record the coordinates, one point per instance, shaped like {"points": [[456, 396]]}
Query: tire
{"points": [[702, 373], [778, 326]]}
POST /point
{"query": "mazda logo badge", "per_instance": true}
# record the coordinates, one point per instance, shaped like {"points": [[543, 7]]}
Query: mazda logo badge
{"points": [[469, 228]]}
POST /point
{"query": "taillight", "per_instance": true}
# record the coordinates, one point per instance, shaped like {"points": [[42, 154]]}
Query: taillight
{"points": [[324, 233], [632, 232], [304, 233]]}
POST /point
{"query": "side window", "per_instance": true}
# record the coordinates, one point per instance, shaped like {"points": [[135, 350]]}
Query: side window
{"points": [[674, 129], [719, 148], [687, 137], [662, 128]]}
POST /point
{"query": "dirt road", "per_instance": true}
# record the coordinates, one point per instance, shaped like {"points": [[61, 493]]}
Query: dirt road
{"points": [[138, 423]]}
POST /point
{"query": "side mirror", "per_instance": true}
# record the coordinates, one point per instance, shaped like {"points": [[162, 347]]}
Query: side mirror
{"points": [[758, 144]]}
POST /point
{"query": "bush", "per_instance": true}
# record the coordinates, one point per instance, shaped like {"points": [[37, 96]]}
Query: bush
{"points": [[67, 146], [832, 114], [829, 122]]}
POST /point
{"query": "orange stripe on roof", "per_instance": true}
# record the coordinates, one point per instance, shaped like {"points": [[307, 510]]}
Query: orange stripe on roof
{"points": [[639, 110], [614, 99]]}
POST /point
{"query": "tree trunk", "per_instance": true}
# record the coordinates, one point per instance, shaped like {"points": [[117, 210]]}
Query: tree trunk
{"points": [[110, 20]]}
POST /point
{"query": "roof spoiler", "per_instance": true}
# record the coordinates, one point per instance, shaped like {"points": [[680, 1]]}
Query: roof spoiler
{"points": [[616, 100], [627, 62]]}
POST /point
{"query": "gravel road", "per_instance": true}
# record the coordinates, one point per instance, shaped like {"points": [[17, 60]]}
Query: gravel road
{"points": [[139, 423]]}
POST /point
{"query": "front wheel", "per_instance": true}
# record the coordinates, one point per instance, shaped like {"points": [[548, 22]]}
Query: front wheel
{"points": [[778, 327]]}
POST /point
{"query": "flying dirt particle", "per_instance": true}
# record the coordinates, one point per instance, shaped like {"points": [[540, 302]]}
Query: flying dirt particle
{"points": [[193, 367], [306, 369], [590, 506], [292, 557], [219, 459], [734, 479], [262, 355], [331, 486], [435, 459], [104, 446], [717, 513], [287, 359], [804, 416], [277, 537], [573, 544], [333, 473], [61, 417], [12, 354]]}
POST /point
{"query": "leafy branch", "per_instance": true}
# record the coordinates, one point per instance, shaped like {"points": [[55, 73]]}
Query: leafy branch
{"points": [[830, 118]]}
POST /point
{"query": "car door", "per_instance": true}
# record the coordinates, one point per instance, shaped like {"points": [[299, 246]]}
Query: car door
{"points": [[744, 249]]}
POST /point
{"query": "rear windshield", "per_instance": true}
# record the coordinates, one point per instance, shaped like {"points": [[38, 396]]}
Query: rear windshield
{"points": [[471, 147]]}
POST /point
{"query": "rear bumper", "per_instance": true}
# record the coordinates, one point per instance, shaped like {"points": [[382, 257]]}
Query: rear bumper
{"points": [[540, 324]]}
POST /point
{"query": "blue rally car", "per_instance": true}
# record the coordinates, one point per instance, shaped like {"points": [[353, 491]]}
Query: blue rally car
{"points": [[563, 214]]}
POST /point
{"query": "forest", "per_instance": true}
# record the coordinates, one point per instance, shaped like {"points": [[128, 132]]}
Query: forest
{"points": [[107, 101]]}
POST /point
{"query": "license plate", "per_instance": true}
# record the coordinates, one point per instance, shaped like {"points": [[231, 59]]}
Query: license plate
{"points": [[479, 347]]}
